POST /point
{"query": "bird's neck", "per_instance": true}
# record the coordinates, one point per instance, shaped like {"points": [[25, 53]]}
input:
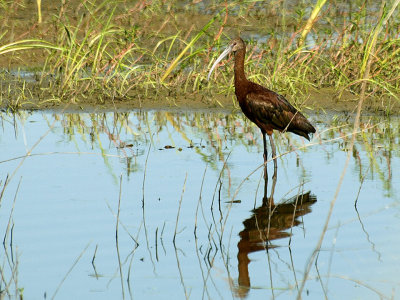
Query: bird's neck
{"points": [[240, 78]]}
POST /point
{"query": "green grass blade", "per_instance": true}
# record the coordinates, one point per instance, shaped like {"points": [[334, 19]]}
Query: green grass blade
{"points": [[189, 45]]}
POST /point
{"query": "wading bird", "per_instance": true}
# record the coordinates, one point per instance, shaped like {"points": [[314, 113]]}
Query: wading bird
{"points": [[267, 109]]}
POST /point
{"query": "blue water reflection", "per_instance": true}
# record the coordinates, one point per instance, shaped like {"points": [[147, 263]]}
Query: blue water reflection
{"points": [[60, 232]]}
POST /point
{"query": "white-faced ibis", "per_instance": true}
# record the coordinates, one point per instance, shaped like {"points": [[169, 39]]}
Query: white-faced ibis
{"points": [[267, 109]]}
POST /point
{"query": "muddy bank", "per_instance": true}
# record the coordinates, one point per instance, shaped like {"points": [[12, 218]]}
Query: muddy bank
{"points": [[315, 102]]}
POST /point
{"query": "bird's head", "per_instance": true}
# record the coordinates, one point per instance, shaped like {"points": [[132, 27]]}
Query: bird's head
{"points": [[237, 44], [234, 46]]}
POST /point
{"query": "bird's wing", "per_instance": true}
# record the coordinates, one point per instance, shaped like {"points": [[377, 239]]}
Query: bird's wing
{"points": [[271, 108]]}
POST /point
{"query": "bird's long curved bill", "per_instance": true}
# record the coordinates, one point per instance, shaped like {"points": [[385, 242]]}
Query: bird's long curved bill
{"points": [[221, 57]]}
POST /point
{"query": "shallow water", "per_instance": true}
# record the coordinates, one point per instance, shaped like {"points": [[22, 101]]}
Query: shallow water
{"points": [[186, 184]]}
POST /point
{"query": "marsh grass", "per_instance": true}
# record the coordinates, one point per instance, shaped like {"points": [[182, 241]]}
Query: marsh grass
{"points": [[111, 50]]}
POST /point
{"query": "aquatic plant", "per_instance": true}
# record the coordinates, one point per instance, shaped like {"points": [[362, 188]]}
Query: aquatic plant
{"points": [[113, 50]]}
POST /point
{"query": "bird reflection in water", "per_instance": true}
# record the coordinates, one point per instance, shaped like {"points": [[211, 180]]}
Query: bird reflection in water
{"points": [[268, 222]]}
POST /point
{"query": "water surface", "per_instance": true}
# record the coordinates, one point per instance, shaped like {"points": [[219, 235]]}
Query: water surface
{"points": [[187, 190]]}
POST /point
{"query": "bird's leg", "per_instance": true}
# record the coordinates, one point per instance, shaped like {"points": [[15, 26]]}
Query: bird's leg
{"points": [[271, 197], [271, 140], [274, 177], [265, 197], [265, 156], [265, 165]]}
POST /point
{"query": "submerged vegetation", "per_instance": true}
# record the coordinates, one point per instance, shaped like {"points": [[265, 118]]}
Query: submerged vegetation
{"points": [[113, 50]]}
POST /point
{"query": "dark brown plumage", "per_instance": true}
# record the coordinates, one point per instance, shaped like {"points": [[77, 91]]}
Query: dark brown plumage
{"points": [[267, 109]]}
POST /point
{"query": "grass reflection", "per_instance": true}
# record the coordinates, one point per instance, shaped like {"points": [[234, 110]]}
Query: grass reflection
{"points": [[214, 135]]}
